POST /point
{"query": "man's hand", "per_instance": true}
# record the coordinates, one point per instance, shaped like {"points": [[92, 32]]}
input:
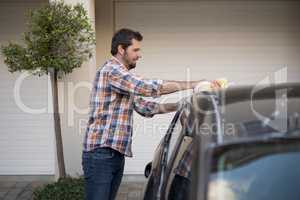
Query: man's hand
{"points": [[211, 86]]}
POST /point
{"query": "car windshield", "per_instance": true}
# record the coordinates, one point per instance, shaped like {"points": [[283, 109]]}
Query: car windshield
{"points": [[257, 171]]}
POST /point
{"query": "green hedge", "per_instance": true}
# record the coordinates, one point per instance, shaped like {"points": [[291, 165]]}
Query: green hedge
{"points": [[64, 189]]}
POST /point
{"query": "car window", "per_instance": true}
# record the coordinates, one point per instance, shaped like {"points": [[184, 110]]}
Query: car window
{"points": [[258, 118], [175, 136], [178, 182], [256, 171]]}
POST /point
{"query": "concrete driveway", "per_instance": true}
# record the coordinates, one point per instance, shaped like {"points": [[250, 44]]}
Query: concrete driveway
{"points": [[130, 189]]}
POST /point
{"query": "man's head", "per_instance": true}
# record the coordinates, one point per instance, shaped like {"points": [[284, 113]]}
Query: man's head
{"points": [[126, 44]]}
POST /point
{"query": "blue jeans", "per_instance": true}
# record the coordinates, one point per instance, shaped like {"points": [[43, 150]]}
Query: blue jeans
{"points": [[103, 170]]}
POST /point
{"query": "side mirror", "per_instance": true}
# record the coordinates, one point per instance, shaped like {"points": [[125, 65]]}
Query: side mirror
{"points": [[148, 169]]}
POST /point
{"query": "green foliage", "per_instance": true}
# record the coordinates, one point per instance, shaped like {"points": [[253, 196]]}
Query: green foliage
{"points": [[59, 36], [64, 189]]}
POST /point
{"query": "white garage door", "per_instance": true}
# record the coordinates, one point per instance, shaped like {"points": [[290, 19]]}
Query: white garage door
{"points": [[26, 139], [242, 41]]}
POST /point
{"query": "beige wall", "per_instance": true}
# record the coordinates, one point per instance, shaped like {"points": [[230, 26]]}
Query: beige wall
{"points": [[74, 91], [104, 29], [73, 123]]}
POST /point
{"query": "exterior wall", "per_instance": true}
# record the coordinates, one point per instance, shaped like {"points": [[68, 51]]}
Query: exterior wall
{"points": [[74, 90], [26, 139], [247, 42]]}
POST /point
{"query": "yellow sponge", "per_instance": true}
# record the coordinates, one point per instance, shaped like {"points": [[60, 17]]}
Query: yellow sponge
{"points": [[219, 83], [213, 85]]}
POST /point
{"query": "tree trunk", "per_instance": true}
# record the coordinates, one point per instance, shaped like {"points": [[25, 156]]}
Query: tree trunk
{"points": [[57, 127]]}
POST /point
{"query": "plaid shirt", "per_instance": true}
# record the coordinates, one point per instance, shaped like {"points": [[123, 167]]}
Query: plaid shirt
{"points": [[115, 94]]}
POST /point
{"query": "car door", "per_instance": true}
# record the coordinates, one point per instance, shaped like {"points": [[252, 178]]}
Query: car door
{"points": [[158, 165], [178, 179]]}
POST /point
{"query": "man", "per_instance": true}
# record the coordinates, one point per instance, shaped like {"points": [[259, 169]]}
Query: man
{"points": [[116, 93]]}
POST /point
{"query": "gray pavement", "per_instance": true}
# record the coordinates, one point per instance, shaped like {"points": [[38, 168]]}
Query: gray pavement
{"points": [[11, 190]]}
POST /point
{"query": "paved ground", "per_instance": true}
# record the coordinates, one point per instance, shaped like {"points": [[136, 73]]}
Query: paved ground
{"points": [[23, 190], [131, 191]]}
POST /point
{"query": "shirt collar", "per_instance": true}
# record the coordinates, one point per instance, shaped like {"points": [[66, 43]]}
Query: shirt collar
{"points": [[119, 62]]}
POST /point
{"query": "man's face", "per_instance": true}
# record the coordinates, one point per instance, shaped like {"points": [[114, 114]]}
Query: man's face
{"points": [[132, 54]]}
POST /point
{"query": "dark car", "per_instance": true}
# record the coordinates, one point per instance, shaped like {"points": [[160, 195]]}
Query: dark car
{"points": [[241, 143]]}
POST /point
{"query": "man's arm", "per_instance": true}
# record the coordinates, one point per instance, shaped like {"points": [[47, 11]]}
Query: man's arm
{"points": [[167, 107], [174, 86], [123, 81], [150, 108]]}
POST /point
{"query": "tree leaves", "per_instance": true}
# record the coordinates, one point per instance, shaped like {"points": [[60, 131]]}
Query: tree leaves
{"points": [[59, 36]]}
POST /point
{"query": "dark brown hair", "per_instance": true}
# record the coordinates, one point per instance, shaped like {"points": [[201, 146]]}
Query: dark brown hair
{"points": [[124, 38]]}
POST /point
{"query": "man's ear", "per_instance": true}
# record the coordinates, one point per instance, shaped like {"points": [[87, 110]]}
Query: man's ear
{"points": [[121, 50]]}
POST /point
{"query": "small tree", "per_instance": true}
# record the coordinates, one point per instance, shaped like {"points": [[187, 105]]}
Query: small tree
{"points": [[59, 39]]}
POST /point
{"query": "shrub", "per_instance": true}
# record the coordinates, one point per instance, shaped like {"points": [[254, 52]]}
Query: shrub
{"points": [[64, 189]]}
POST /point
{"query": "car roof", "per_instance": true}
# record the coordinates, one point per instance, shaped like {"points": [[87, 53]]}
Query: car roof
{"points": [[241, 93], [244, 93]]}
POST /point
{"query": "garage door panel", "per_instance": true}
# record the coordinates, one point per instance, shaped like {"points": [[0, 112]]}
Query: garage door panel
{"points": [[26, 139], [243, 41]]}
